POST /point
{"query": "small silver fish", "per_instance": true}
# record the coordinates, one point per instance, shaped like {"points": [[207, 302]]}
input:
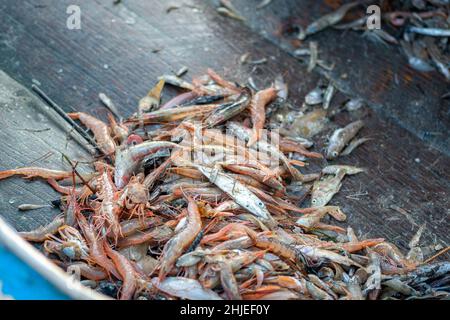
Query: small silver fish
{"points": [[314, 55], [329, 19], [353, 145], [341, 137], [328, 95], [349, 170], [231, 14], [433, 32], [315, 96], [239, 193], [181, 71], [325, 188], [109, 104], [354, 104], [176, 81], [26, 207]]}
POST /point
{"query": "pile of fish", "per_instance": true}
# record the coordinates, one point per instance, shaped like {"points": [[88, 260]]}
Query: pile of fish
{"points": [[420, 28], [194, 199]]}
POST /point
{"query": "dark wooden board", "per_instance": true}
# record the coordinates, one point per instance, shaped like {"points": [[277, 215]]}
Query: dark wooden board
{"points": [[31, 135], [376, 72], [121, 57]]}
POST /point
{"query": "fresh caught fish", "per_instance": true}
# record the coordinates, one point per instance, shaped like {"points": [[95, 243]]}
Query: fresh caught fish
{"points": [[341, 137], [185, 288], [329, 19], [229, 110], [129, 159], [239, 193], [348, 170], [325, 188], [309, 125], [328, 95], [152, 99], [26, 207], [354, 104], [314, 97], [353, 145], [110, 105], [433, 32], [181, 241], [177, 81]]}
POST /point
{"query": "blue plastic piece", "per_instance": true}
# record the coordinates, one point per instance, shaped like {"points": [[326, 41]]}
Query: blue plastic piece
{"points": [[21, 282]]}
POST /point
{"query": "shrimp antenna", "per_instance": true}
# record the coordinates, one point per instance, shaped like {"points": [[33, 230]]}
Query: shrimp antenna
{"points": [[74, 170], [61, 112]]}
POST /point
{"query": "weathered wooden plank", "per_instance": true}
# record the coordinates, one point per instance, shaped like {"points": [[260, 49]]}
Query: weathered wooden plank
{"points": [[31, 135], [376, 72]]}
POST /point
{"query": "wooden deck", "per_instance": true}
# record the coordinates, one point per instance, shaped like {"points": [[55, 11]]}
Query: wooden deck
{"points": [[121, 49]]}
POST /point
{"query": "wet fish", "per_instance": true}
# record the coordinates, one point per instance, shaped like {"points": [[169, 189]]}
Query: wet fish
{"points": [[341, 137], [176, 81], [433, 32], [334, 169], [26, 207], [328, 95], [329, 19], [229, 110], [325, 188], [354, 104], [110, 105], [151, 100], [239, 193], [185, 288], [314, 97], [308, 125], [353, 145]]}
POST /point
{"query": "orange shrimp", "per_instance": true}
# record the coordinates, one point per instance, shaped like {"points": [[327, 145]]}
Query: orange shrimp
{"points": [[154, 236], [128, 227], [33, 172], [187, 172], [258, 111], [324, 226], [96, 250], [222, 82], [182, 240], [120, 131], [87, 271], [287, 282], [40, 234], [106, 213], [288, 145], [100, 130], [260, 292], [150, 179], [256, 174], [228, 281], [127, 272], [282, 204], [279, 248], [230, 231], [353, 247], [82, 193], [135, 198], [175, 114]]}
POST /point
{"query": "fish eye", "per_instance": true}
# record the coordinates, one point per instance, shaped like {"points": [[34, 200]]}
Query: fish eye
{"points": [[314, 201], [334, 153]]}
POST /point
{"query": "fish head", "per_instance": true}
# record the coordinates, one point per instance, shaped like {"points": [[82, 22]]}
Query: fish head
{"points": [[331, 154]]}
